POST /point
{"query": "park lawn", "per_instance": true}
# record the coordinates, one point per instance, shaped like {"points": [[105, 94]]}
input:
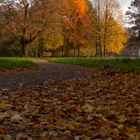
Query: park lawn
{"points": [[126, 65], [8, 63]]}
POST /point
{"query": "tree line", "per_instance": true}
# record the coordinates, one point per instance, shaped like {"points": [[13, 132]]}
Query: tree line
{"points": [[133, 17], [61, 27]]}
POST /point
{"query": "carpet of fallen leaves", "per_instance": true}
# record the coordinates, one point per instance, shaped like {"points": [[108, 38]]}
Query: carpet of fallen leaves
{"points": [[15, 69], [104, 106]]}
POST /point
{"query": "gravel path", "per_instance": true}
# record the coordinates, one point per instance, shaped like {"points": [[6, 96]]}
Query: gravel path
{"points": [[46, 72]]}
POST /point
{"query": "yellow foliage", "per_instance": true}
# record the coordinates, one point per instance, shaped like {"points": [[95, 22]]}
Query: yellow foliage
{"points": [[116, 37], [53, 40]]}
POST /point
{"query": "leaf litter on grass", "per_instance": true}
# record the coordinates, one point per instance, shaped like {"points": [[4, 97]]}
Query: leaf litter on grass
{"points": [[104, 106]]}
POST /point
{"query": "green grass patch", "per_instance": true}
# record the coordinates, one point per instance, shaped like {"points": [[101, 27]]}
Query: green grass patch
{"points": [[126, 65], [8, 63]]}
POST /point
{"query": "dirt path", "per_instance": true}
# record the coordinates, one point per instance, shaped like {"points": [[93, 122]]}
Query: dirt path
{"points": [[46, 72]]}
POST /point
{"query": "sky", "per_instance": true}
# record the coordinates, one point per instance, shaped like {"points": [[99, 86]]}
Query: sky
{"points": [[125, 4]]}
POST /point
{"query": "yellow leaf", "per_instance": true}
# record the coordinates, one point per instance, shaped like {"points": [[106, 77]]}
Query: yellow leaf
{"points": [[4, 106]]}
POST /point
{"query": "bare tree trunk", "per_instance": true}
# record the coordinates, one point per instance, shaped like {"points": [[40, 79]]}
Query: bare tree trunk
{"points": [[99, 28], [105, 27]]}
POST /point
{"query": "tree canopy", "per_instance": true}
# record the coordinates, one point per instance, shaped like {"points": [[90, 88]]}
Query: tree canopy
{"points": [[63, 25]]}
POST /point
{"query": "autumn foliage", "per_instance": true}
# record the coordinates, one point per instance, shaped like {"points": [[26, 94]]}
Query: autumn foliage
{"points": [[63, 27]]}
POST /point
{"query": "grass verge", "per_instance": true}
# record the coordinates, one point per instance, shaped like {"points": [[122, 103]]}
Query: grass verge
{"points": [[126, 65], [8, 63]]}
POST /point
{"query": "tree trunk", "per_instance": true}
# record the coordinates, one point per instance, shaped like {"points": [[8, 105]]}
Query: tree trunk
{"points": [[78, 50], [25, 50], [62, 51], [105, 29], [96, 55], [99, 28], [53, 53], [68, 52], [74, 51], [40, 50], [104, 50], [100, 50]]}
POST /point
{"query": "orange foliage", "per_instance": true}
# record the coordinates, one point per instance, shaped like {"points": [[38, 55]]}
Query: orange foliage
{"points": [[82, 7], [77, 25]]}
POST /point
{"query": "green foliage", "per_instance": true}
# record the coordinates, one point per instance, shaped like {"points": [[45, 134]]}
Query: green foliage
{"points": [[9, 48], [10, 51], [126, 65], [15, 62]]}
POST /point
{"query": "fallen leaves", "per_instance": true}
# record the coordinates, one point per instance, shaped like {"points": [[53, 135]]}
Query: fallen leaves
{"points": [[88, 108], [99, 107], [5, 106], [16, 69]]}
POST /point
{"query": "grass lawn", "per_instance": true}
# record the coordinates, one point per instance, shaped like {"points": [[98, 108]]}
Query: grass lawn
{"points": [[8, 63], [126, 65]]}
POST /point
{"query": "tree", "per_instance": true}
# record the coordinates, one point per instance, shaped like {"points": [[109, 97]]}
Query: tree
{"points": [[115, 37], [134, 19], [108, 23], [66, 25], [76, 25], [25, 20]]}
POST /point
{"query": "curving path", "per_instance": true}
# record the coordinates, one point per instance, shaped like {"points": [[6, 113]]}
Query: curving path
{"points": [[47, 71]]}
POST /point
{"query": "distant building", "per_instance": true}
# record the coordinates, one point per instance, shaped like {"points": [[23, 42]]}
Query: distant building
{"points": [[132, 49]]}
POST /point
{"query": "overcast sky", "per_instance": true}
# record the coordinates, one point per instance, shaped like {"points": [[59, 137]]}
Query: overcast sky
{"points": [[125, 4]]}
